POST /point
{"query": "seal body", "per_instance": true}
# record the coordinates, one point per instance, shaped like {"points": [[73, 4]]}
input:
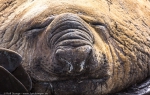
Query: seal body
{"points": [[92, 47]]}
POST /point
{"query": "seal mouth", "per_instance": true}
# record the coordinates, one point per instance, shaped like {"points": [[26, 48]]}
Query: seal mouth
{"points": [[74, 86], [69, 32]]}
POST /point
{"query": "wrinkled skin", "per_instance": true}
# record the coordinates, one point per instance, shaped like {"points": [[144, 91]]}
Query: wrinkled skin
{"points": [[92, 47]]}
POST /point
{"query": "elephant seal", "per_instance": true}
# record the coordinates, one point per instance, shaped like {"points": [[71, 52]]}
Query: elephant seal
{"points": [[80, 47]]}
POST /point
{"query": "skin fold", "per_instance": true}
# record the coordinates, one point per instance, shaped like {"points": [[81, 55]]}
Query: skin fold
{"points": [[94, 47]]}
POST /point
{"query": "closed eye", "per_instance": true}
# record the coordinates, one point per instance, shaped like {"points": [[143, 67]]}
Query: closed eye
{"points": [[41, 24], [99, 27], [102, 31], [31, 34], [37, 28]]}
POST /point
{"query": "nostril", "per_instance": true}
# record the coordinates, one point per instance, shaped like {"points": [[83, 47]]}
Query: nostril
{"points": [[82, 66], [73, 60], [59, 54], [64, 60], [70, 67]]}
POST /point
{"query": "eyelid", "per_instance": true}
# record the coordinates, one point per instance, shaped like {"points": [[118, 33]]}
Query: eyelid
{"points": [[35, 30], [99, 27], [103, 31], [98, 24], [38, 27], [41, 24], [91, 20]]}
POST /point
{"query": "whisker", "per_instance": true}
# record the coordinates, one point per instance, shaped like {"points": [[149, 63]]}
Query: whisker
{"points": [[51, 88]]}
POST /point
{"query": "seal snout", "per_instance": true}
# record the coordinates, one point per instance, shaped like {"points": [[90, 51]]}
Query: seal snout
{"points": [[71, 40], [73, 60]]}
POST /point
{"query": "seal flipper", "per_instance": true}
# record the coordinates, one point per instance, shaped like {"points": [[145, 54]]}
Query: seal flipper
{"points": [[23, 77], [140, 89], [143, 88], [8, 83], [9, 59]]}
